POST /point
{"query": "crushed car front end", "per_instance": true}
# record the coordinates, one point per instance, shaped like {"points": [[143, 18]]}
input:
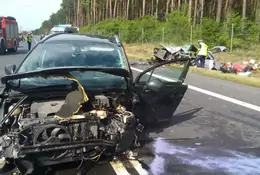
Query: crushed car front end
{"points": [[53, 125]]}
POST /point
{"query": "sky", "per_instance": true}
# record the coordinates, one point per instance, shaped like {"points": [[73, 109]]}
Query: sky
{"points": [[29, 13]]}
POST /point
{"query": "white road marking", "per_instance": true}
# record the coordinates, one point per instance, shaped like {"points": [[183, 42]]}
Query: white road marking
{"points": [[119, 168], [138, 167], [213, 94], [35, 40]]}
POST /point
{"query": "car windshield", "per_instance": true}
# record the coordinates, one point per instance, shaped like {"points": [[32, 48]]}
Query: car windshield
{"points": [[67, 54]]}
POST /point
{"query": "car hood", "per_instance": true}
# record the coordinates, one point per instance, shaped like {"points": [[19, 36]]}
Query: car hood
{"points": [[172, 49], [65, 72], [189, 48]]}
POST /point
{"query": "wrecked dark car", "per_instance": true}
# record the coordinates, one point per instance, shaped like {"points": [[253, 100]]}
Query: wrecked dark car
{"points": [[166, 53], [74, 98]]}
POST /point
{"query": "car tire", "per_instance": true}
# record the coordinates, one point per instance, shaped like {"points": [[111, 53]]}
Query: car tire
{"points": [[2, 48], [15, 47]]}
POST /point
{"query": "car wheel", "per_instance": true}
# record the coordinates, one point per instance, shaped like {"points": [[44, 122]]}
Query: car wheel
{"points": [[2, 48], [15, 47]]}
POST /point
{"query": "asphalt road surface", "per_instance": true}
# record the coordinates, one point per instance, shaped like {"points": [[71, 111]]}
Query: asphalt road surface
{"points": [[215, 130]]}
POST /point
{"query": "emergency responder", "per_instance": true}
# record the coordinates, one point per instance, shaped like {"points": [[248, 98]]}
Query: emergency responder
{"points": [[202, 54], [29, 41]]}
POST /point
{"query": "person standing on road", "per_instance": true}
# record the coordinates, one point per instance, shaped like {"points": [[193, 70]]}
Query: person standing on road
{"points": [[202, 55], [29, 41]]}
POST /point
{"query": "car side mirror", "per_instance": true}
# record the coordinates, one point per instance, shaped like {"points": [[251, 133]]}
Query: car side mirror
{"points": [[9, 69]]}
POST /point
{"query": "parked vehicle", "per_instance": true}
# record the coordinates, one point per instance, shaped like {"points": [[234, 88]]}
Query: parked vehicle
{"points": [[9, 34], [60, 28]]}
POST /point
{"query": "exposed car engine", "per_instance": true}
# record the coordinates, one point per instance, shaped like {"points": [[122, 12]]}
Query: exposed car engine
{"points": [[34, 131]]}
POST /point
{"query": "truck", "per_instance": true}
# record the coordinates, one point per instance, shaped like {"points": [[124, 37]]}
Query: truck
{"points": [[9, 34]]}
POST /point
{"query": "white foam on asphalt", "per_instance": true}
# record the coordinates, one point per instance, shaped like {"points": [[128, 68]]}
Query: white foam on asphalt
{"points": [[213, 94]]}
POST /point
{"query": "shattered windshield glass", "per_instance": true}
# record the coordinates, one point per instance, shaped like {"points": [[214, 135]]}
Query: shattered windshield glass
{"points": [[53, 55]]}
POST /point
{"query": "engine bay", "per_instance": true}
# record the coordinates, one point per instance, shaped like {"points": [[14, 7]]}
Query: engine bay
{"points": [[38, 129]]}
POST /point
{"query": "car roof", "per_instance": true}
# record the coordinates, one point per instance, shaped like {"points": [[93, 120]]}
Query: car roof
{"points": [[81, 37]]}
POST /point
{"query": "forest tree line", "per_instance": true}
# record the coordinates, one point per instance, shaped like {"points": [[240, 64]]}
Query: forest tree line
{"points": [[208, 15]]}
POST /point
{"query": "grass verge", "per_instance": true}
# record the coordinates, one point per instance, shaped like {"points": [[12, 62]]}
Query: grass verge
{"points": [[145, 51]]}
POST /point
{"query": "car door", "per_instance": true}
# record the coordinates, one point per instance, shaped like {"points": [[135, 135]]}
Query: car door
{"points": [[160, 90]]}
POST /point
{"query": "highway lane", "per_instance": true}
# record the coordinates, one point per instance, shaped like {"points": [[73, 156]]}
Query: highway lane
{"points": [[12, 58], [206, 134], [213, 128]]}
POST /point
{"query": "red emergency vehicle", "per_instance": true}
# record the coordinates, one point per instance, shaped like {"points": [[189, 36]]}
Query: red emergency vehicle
{"points": [[9, 34]]}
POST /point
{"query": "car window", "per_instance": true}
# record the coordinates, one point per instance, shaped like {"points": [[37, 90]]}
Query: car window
{"points": [[169, 72], [63, 55]]}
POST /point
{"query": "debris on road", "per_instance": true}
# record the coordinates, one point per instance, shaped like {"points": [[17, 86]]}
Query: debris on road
{"points": [[167, 53], [138, 62], [244, 69]]}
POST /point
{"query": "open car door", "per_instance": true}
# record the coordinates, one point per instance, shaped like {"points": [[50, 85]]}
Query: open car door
{"points": [[160, 89]]}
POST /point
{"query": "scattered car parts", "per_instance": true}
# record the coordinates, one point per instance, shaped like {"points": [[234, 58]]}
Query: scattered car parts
{"points": [[166, 53]]}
